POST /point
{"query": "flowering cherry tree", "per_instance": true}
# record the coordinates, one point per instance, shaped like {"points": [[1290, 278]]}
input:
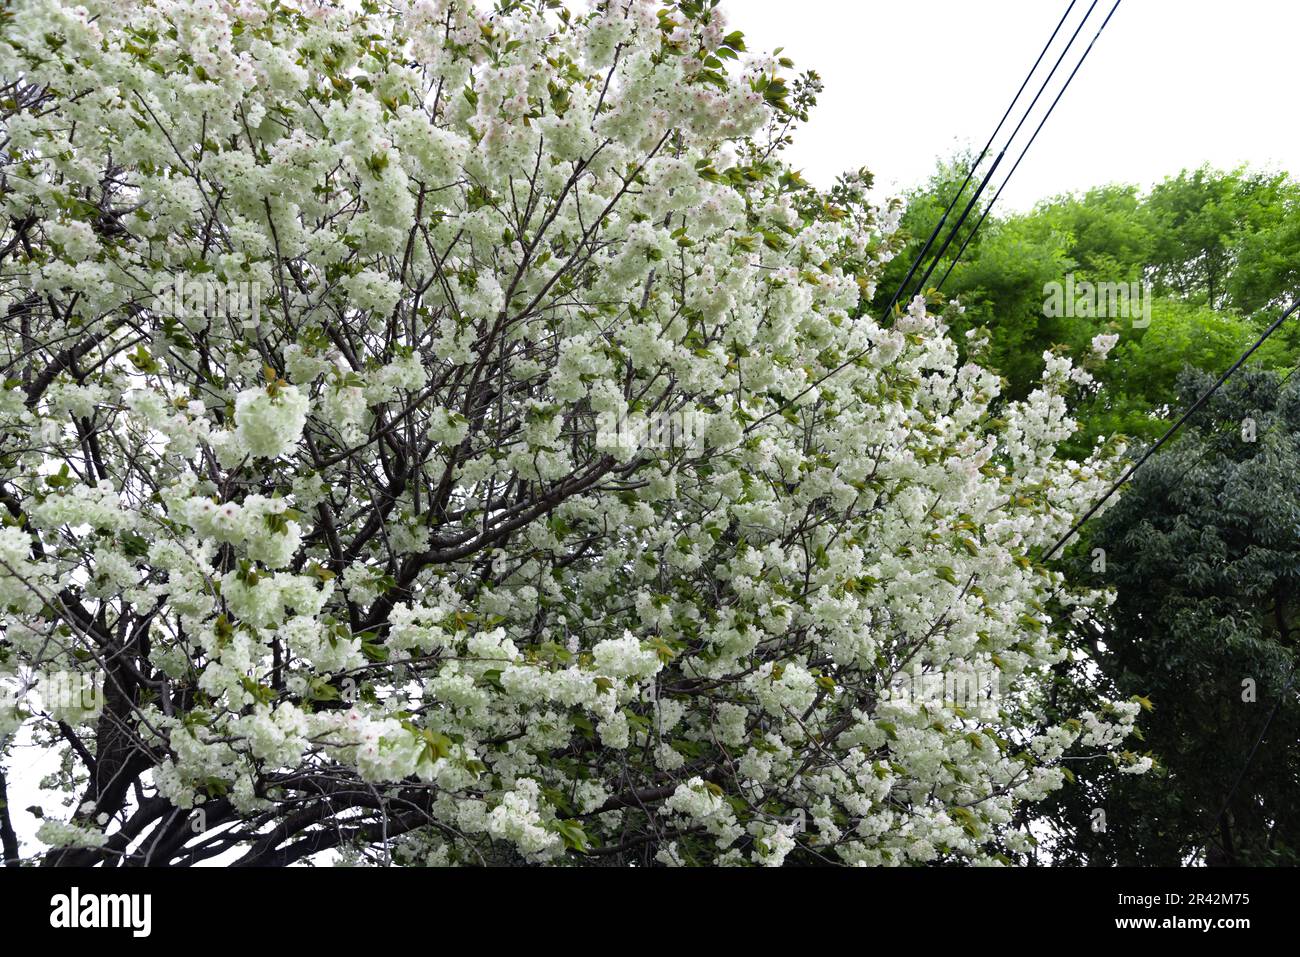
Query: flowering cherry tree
{"points": [[324, 330]]}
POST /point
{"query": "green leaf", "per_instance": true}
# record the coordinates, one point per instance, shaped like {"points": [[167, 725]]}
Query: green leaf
{"points": [[572, 833]]}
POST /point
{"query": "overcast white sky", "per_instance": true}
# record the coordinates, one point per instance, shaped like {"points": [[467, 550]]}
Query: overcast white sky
{"points": [[1170, 84]]}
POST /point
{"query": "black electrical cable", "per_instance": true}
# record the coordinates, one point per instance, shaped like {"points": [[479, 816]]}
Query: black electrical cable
{"points": [[920, 257], [956, 259], [1172, 430], [952, 234], [916, 264], [1292, 672]]}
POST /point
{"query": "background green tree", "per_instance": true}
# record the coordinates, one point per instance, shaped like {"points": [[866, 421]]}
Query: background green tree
{"points": [[1220, 250], [1203, 555]]}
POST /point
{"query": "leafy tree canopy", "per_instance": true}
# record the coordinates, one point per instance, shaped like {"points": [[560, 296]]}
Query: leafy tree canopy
{"points": [[1217, 249]]}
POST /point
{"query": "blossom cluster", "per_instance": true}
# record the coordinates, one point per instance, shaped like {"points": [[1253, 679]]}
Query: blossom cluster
{"points": [[365, 575]]}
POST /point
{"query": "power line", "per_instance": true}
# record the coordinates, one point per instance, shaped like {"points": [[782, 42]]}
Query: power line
{"points": [[920, 257], [1037, 130], [1169, 433], [858, 355], [1183, 419], [1291, 673], [1172, 430], [952, 234]]}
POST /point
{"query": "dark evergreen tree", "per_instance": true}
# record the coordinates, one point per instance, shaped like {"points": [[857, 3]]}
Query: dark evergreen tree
{"points": [[1203, 550]]}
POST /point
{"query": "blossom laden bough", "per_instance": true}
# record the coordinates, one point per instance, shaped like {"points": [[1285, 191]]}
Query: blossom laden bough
{"points": [[365, 575]]}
